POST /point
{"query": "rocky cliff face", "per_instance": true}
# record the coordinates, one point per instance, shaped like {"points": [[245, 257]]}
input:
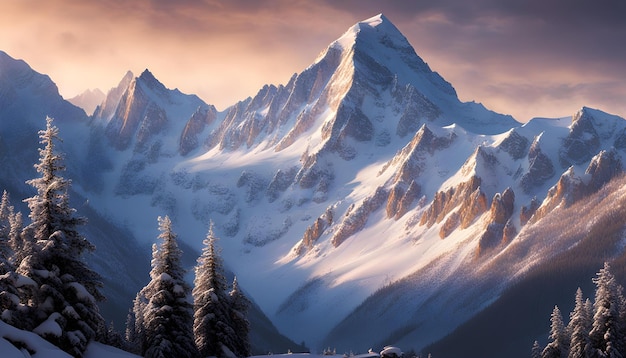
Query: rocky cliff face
{"points": [[199, 121], [500, 229], [357, 215], [139, 110], [108, 107]]}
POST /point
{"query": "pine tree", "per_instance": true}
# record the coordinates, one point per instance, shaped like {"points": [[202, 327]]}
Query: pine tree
{"points": [[20, 247], [12, 285], [606, 339], [579, 327], [6, 252], [557, 348], [64, 305], [535, 352], [239, 318], [9, 295], [212, 324], [6, 210], [168, 313]]}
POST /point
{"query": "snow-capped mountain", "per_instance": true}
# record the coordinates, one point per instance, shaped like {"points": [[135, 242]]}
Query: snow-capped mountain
{"points": [[27, 97], [88, 100], [359, 204]]}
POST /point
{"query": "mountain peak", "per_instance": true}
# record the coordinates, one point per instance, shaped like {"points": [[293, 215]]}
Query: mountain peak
{"points": [[88, 100], [375, 20], [374, 29], [148, 80], [147, 75]]}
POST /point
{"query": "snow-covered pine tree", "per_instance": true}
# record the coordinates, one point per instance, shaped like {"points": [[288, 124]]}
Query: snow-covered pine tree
{"points": [[135, 334], [559, 341], [6, 210], [12, 285], [579, 327], [168, 313], [239, 305], [535, 351], [19, 246], [9, 295], [606, 339], [212, 324], [64, 305]]}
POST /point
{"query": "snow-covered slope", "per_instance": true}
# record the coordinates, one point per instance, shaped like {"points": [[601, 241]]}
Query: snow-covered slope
{"points": [[15, 343], [359, 202]]}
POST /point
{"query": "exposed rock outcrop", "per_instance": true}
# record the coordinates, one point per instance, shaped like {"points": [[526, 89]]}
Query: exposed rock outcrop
{"points": [[280, 182], [583, 140], [527, 212], [400, 200], [107, 108], [540, 168], [451, 223], [500, 228], [315, 231], [603, 167], [502, 207], [514, 144], [445, 201], [406, 202], [201, 118], [356, 217], [415, 108], [410, 163], [571, 188], [471, 207]]}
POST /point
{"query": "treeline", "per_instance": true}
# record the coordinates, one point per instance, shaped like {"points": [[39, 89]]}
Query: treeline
{"points": [[46, 286], [594, 330]]}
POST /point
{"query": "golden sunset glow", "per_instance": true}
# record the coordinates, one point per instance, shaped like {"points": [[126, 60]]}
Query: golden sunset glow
{"points": [[537, 61]]}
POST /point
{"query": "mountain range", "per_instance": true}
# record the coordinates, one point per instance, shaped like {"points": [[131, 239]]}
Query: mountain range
{"points": [[360, 204]]}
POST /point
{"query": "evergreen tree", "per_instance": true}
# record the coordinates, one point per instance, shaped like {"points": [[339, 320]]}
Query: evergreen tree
{"points": [[579, 327], [9, 295], [135, 334], [20, 247], [239, 318], [212, 323], [131, 330], [535, 352], [606, 339], [6, 210], [557, 348], [64, 305], [168, 313], [12, 285]]}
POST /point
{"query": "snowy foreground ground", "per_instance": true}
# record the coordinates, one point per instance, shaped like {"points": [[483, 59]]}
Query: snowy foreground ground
{"points": [[37, 347]]}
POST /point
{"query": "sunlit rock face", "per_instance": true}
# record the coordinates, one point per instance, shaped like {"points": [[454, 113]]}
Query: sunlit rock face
{"points": [[467, 193], [200, 119], [540, 168], [500, 229]]}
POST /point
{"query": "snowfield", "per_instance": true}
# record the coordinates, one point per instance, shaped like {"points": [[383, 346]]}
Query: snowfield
{"points": [[32, 345]]}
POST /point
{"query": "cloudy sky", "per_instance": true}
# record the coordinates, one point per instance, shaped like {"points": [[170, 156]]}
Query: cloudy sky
{"points": [[521, 57]]}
